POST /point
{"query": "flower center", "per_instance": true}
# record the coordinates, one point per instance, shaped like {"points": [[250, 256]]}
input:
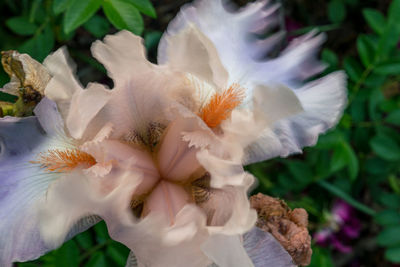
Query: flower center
{"points": [[221, 105]]}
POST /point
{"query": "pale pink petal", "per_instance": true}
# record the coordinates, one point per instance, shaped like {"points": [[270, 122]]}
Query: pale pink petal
{"points": [[176, 159], [112, 152], [77, 106], [164, 245], [123, 54], [227, 251], [245, 59], [166, 199], [78, 196]]}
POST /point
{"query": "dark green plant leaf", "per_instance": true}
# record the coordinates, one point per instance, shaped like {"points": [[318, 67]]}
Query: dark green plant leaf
{"points": [[390, 200], [376, 20], [339, 158], [352, 161], [330, 57], [84, 240], [387, 42], [336, 11], [353, 69], [300, 171], [151, 39], [123, 15], [21, 25], [389, 236], [97, 260], [98, 26], [60, 6], [394, 118], [65, 256], [79, 12], [388, 217], [321, 257], [393, 254], [394, 13], [385, 147], [145, 6], [118, 253], [7, 97], [389, 68], [365, 51], [39, 46]]}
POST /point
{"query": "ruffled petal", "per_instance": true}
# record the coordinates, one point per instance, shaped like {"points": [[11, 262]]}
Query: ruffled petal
{"points": [[78, 106], [246, 60], [323, 102], [190, 51], [227, 251], [123, 54]]}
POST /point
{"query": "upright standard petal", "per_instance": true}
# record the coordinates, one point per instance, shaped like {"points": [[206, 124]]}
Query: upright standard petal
{"points": [[247, 62]]}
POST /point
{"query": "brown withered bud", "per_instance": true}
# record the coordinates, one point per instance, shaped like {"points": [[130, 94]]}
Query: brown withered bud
{"points": [[288, 226], [28, 79]]}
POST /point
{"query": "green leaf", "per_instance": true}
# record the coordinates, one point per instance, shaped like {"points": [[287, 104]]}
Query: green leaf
{"points": [[339, 158], [390, 236], [60, 6], [388, 217], [389, 68], [321, 257], [352, 161], [393, 254], [346, 197], [390, 200], [66, 256], [123, 15], [336, 11], [39, 46], [7, 97], [21, 25], [84, 240], [353, 69], [385, 147], [394, 13], [145, 6], [387, 42], [79, 12], [151, 40], [330, 57], [394, 118], [300, 171], [118, 253], [365, 51], [97, 260], [376, 20], [98, 26]]}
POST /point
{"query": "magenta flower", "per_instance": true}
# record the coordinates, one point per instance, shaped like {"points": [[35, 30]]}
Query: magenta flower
{"points": [[343, 227]]}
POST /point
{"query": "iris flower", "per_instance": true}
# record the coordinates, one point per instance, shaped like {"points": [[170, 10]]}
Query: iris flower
{"points": [[159, 157]]}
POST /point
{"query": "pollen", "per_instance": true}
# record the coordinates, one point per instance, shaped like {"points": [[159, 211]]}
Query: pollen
{"points": [[221, 105], [56, 160]]}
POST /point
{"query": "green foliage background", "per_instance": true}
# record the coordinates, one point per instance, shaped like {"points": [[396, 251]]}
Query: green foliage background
{"points": [[357, 162]]}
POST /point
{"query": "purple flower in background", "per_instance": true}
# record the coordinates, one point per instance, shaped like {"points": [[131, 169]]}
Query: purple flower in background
{"points": [[343, 227]]}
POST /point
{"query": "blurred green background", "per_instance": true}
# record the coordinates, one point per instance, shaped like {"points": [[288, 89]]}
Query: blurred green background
{"points": [[358, 162]]}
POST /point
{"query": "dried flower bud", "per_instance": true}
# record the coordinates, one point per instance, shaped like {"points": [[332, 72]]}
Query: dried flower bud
{"points": [[289, 227]]}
